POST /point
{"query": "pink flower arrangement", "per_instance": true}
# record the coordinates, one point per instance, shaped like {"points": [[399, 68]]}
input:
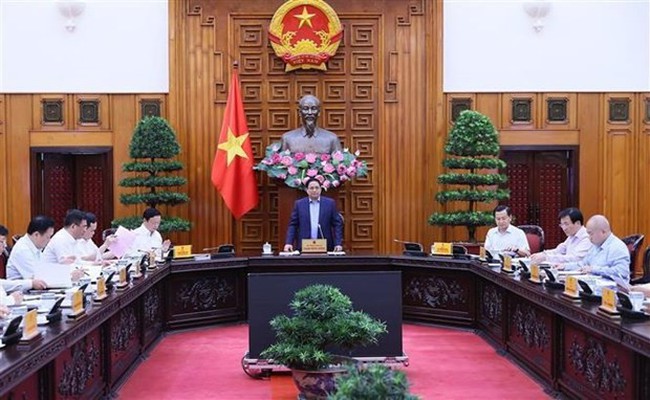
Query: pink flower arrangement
{"points": [[295, 169]]}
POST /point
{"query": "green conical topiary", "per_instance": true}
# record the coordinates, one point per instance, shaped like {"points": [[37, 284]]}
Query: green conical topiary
{"points": [[152, 147], [473, 149]]}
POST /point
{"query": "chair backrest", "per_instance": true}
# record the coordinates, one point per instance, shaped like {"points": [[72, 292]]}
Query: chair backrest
{"points": [[535, 237], [108, 232], [634, 243], [646, 264]]}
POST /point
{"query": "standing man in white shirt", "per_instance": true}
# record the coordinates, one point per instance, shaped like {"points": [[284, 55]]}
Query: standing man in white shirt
{"points": [[27, 253], [62, 248], [506, 238], [575, 247], [147, 236]]}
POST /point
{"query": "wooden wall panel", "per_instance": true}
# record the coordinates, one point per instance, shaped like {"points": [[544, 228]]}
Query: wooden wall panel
{"points": [[643, 162], [613, 154], [410, 116], [619, 162], [4, 163]]}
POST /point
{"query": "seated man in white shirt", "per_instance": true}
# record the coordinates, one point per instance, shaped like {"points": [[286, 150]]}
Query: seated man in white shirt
{"points": [[147, 236], [575, 247], [27, 253], [87, 249], [506, 238], [62, 248]]}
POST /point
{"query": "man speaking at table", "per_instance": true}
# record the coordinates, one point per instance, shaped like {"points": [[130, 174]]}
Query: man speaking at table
{"points": [[315, 217]]}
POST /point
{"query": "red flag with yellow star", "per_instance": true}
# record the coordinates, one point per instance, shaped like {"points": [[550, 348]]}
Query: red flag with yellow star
{"points": [[232, 170]]}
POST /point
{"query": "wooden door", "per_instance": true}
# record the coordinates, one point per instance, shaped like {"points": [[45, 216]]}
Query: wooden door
{"points": [[61, 181], [541, 183]]}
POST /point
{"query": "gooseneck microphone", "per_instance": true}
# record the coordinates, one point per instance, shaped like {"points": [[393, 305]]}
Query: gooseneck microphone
{"points": [[320, 230]]}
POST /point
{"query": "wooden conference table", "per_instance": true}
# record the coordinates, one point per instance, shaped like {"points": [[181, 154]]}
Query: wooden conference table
{"points": [[568, 346]]}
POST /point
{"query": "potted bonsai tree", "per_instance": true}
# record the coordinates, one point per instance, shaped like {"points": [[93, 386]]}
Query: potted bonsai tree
{"points": [[152, 147], [322, 319], [373, 382], [473, 149]]}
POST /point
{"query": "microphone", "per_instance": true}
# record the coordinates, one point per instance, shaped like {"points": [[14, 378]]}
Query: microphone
{"points": [[321, 232]]}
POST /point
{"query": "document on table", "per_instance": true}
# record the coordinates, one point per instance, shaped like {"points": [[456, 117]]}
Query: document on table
{"points": [[54, 275]]}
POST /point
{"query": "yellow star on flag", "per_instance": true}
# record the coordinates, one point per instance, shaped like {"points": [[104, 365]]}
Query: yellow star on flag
{"points": [[233, 146], [305, 17]]}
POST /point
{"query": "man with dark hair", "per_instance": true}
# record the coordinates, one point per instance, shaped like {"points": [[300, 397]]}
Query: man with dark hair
{"points": [[27, 252], [4, 251], [62, 249], [87, 249], [315, 217], [575, 247], [506, 238], [147, 236]]}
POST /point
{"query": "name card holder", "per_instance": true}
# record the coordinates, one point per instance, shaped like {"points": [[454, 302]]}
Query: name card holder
{"points": [[124, 282], [101, 290], [442, 249], [571, 291], [30, 327], [184, 251], [608, 304], [78, 310], [482, 256], [152, 261], [314, 246], [136, 272], [507, 265], [534, 274]]}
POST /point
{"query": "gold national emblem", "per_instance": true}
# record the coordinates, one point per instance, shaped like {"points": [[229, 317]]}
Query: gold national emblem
{"points": [[305, 34]]}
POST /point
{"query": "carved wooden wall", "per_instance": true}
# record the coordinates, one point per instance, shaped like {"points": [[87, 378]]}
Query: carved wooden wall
{"points": [[375, 94], [611, 130], [382, 95]]}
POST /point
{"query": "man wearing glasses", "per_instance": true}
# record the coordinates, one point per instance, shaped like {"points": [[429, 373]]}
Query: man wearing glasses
{"points": [[575, 247]]}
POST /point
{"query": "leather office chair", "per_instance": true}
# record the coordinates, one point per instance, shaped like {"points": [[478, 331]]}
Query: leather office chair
{"points": [[633, 242], [646, 269], [535, 237]]}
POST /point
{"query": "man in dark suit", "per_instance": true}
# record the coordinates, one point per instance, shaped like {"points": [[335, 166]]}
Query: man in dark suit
{"points": [[315, 217]]}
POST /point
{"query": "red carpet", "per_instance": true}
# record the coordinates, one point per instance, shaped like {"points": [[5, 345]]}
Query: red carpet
{"points": [[206, 364]]}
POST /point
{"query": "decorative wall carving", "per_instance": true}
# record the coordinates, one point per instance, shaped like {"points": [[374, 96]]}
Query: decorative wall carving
{"points": [[204, 294], [590, 360], [557, 110], [619, 110], [527, 324], [435, 292], [522, 110], [492, 304], [52, 111], [122, 332], [81, 368], [88, 112], [459, 105], [150, 108], [349, 103]]}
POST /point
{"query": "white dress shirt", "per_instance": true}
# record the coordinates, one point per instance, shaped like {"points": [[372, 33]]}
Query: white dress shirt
{"points": [[22, 259], [145, 240], [86, 247], [61, 245], [574, 248], [497, 242]]}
